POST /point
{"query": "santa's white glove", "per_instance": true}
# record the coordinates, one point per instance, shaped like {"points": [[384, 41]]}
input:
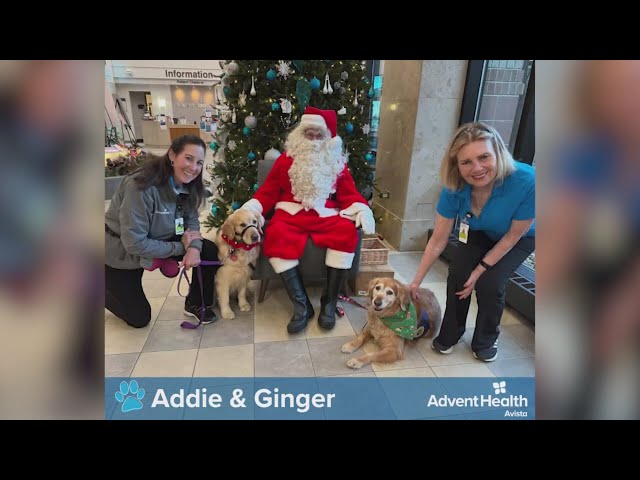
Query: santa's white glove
{"points": [[362, 215], [364, 218], [256, 207]]}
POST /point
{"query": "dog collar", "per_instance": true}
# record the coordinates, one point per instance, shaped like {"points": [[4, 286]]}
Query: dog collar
{"points": [[241, 245], [403, 323]]}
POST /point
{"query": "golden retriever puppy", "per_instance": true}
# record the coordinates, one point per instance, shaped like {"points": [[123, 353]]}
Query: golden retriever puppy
{"points": [[393, 318], [238, 246]]}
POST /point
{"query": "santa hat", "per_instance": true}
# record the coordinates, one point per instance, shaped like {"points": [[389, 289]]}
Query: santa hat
{"points": [[324, 119]]}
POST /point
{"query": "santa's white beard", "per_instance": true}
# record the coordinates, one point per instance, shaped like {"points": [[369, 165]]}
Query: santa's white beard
{"points": [[315, 169]]}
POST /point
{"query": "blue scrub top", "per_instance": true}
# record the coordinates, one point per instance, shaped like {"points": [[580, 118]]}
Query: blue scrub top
{"points": [[512, 199]]}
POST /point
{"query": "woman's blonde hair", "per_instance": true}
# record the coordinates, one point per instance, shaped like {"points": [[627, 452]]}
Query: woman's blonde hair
{"points": [[466, 134]]}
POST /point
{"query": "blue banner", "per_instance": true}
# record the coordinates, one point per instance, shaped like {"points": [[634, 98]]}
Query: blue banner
{"points": [[328, 398]]}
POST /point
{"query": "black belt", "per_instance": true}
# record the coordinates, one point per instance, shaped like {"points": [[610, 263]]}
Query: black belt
{"points": [[110, 232]]}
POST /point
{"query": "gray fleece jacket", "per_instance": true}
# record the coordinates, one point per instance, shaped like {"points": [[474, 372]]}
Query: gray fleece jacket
{"points": [[145, 221]]}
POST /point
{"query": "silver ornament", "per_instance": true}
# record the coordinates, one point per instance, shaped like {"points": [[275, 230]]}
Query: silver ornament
{"points": [[343, 91], [344, 75], [271, 154], [337, 85], [251, 121], [233, 68], [253, 88]]}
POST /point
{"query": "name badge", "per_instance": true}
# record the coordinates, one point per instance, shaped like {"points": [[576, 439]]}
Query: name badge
{"points": [[179, 226], [463, 234]]}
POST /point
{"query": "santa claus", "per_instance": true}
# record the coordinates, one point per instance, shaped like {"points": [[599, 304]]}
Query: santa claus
{"points": [[314, 195]]}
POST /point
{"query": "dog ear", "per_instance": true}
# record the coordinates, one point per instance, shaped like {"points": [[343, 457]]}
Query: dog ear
{"points": [[227, 228], [372, 284], [403, 297]]}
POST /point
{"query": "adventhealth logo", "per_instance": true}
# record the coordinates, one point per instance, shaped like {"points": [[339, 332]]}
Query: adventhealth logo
{"points": [[500, 387], [130, 396], [496, 400]]}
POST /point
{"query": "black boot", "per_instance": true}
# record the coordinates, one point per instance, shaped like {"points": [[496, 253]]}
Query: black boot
{"points": [[329, 300], [298, 295]]}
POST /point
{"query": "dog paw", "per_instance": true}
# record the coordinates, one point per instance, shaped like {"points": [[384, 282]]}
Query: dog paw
{"points": [[245, 307], [227, 314], [354, 363], [347, 348]]}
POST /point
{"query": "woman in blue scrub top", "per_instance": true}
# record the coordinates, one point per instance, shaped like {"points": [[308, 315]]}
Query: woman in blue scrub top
{"points": [[490, 199]]}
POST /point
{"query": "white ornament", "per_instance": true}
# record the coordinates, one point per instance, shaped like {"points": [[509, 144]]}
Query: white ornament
{"points": [[327, 85], [253, 88], [242, 99], [346, 154], [355, 99], [285, 105], [233, 116], [365, 128], [284, 69], [271, 154], [232, 145], [342, 111]]}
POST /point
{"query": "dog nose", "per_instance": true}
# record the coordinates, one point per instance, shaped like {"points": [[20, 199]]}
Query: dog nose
{"points": [[255, 237], [377, 302]]}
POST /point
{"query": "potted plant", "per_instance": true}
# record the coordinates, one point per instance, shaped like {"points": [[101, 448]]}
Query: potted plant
{"points": [[120, 161]]}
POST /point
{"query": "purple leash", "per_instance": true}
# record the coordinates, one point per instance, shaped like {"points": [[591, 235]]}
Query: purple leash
{"points": [[183, 273]]}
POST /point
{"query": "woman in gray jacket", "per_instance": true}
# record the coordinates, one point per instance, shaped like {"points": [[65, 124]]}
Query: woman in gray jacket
{"points": [[154, 215]]}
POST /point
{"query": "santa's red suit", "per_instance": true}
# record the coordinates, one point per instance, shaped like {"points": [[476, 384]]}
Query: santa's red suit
{"points": [[314, 195], [304, 208]]}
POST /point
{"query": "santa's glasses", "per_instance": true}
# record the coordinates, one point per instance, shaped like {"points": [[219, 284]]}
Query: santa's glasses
{"points": [[313, 135]]}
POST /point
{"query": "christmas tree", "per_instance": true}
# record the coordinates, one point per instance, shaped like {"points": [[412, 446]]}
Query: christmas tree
{"points": [[263, 102]]}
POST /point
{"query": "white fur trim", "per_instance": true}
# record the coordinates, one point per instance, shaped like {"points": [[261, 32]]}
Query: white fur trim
{"points": [[338, 259], [312, 120], [282, 265], [335, 145], [254, 205], [292, 208], [351, 211]]}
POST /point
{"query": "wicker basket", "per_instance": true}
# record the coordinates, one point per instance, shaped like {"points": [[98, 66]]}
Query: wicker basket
{"points": [[373, 252]]}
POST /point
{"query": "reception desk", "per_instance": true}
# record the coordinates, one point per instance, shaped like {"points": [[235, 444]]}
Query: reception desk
{"points": [[155, 137]]}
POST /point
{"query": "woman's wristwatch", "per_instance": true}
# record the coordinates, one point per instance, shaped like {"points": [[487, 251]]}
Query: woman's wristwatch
{"points": [[486, 265]]}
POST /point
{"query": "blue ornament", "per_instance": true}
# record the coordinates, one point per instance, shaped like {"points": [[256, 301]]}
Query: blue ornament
{"points": [[255, 187], [271, 74], [251, 156], [214, 210], [371, 92], [368, 157], [246, 131], [227, 91], [213, 146], [235, 206], [275, 106], [348, 127], [315, 83]]}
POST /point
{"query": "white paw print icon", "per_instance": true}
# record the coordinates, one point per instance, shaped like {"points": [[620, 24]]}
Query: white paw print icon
{"points": [[500, 387]]}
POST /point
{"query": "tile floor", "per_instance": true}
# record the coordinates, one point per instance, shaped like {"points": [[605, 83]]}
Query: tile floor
{"points": [[257, 344]]}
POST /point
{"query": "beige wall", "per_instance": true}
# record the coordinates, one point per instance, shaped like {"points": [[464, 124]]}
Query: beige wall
{"points": [[419, 110]]}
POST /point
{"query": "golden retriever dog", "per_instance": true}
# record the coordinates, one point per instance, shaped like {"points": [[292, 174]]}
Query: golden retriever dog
{"points": [[388, 298], [237, 241]]}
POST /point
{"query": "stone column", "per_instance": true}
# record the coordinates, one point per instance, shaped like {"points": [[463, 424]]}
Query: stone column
{"points": [[419, 111]]}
